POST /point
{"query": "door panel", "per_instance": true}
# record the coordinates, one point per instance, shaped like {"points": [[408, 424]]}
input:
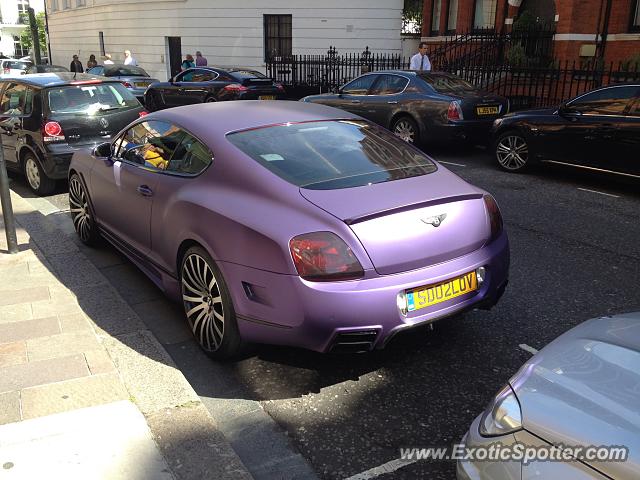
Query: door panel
{"points": [[15, 104], [384, 98], [628, 141], [353, 95]]}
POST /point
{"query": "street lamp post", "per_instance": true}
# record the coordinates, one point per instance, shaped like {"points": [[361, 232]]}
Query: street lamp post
{"points": [[7, 208]]}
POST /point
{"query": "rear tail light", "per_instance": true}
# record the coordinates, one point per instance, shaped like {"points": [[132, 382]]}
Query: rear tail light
{"points": [[455, 111], [495, 217], [52, 132], [143, 113], [235, 87], [127, 84], [324, 257], [7, 71], [85, 82], [280, 87]]}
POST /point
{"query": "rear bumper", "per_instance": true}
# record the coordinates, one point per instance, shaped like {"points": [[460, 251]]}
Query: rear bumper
{"points": [[286, 310], [466, 130], [56, 160]]}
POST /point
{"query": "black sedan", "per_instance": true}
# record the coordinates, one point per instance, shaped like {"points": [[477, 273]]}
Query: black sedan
{"points": [[599, 130], [207, 84], [420, 106]]}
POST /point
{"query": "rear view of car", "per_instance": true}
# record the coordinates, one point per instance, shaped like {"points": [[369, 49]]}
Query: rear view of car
{"points": [[135, 79], [14, 67], [251, 85]]}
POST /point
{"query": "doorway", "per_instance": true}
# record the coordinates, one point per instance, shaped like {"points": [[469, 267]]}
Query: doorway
{"points": [[174, 47]]}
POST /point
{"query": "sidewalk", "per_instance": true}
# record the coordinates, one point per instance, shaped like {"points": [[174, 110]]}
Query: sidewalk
{"points": [[86, 391]]}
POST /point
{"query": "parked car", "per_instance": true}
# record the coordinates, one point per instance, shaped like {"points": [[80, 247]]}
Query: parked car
{"points": [[12, 67], [599, 131], [208, 84], [46, 117], [46, 69], [420, 106], [291, 224], [135, 79], [581, 390]]}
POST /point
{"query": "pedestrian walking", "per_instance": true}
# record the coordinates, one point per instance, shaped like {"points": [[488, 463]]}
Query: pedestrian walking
{"points": [[420, 61], [200, 60], [92, 62], [187, 63], [76, 65], [129, 60], [107, 59]]}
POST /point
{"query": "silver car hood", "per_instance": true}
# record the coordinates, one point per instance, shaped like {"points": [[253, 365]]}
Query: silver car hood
{"points": [[584, 389]]}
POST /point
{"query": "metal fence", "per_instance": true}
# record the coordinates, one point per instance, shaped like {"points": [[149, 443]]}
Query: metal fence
{"points": [[524, 86]]}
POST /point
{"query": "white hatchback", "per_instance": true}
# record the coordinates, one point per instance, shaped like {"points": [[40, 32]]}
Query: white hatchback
{"points": [[12, 67]]}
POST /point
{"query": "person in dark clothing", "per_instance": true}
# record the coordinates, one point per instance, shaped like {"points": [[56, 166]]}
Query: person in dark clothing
{"points": [[92, 61], [76, 65]]}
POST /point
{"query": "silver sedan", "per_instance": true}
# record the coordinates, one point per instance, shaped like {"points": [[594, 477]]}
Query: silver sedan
{"points": [[572, 411]]}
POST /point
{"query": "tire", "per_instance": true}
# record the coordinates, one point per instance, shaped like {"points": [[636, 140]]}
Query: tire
{"points": [[407, 129], [209, 100], [512, 152], [208, 306], [37, 180], [81, 212]]}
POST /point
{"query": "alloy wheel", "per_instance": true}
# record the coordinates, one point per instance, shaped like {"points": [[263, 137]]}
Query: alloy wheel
{"points": [[512, 152], [33, 173], [203, 302], [79, 208], [405, 130]]}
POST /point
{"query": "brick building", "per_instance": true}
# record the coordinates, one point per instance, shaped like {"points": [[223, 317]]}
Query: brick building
{"points": [[584, 29]]}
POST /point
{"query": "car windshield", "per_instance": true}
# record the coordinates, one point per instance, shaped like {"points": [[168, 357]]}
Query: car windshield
{"points": [[90, 99], [329, 155], [124, 71], [445, 83]]}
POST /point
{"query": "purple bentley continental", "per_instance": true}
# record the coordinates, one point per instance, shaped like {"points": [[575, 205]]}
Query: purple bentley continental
{"points": [[290, 223]]}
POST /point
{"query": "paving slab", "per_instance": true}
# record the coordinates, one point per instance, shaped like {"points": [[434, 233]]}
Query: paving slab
{"points": [[25, 375], [72, 395], [13, 353], [9, 407], [14, 313], [50, 346], [27, 329], [23, 295], [109, 441]]}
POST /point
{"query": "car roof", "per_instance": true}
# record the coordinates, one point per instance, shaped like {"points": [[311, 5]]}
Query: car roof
{"points": [[54, 79], [200, 119]]}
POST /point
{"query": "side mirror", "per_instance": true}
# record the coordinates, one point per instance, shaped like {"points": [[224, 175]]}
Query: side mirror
{"points": [[565, 110], [103, 150]]}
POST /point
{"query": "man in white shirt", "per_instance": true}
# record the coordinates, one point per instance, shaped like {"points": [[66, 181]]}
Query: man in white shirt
{"points": [[420, 61], [128, 58], [107, 59]]}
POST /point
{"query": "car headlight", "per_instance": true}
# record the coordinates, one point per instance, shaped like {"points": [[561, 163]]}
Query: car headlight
{"points": [[502, 416]]}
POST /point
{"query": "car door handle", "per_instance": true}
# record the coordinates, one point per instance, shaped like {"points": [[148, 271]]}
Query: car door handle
{"points": [[392, 102], [145, 191], [356, 101]]}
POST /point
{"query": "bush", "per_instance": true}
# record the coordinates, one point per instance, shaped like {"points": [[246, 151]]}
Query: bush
{"points": [[517, 56]]}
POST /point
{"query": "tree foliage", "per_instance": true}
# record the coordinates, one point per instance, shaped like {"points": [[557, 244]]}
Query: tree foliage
{"points": [[412, 16], [25, 35]]}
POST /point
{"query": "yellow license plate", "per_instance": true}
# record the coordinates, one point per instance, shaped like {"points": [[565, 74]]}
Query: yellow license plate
{"points": [[141, 84], [267, 97], [423, 297], [487, 110]]}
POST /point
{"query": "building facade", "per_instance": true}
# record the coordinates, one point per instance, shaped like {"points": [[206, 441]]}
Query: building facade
{"points": [[13, 21], [605, 30], [228, 32]]}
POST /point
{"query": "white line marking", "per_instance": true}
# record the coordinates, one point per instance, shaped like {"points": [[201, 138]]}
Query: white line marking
{"points": [[527, 348], [600, 193], [388, 467], [452, 163]]}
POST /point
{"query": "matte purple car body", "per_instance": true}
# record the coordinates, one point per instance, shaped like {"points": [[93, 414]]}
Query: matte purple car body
{"points": [[245, 216]]}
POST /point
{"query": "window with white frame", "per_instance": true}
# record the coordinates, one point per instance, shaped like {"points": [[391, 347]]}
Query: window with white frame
{"points": [[65, 4], [452, 16], [485, 14], [635, 17], [53, 5], [81, 3], [435, 17]]}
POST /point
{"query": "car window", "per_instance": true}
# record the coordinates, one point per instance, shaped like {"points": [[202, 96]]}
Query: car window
{"points": [[186, 76], [360, 86], [191, 157], [608, 101], [96, 70], [15, 101], [149, 144], [635, 109], [203, 76], [91, 98], [389, 84], [244, 74], [328, 155]]}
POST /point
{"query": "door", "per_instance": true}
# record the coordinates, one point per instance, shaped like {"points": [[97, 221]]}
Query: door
{"points": [[173, 93], [15, 104], [195, 86], [174, 47], [353, 94], [594, 120], [385, 98], [123, 188], [628, 137]]}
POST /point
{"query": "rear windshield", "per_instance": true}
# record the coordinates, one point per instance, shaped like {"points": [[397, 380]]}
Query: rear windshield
{"points": [[445, 83], [242, 74], [91, 99], [328, 155], [17, 65], [124, 71]]}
